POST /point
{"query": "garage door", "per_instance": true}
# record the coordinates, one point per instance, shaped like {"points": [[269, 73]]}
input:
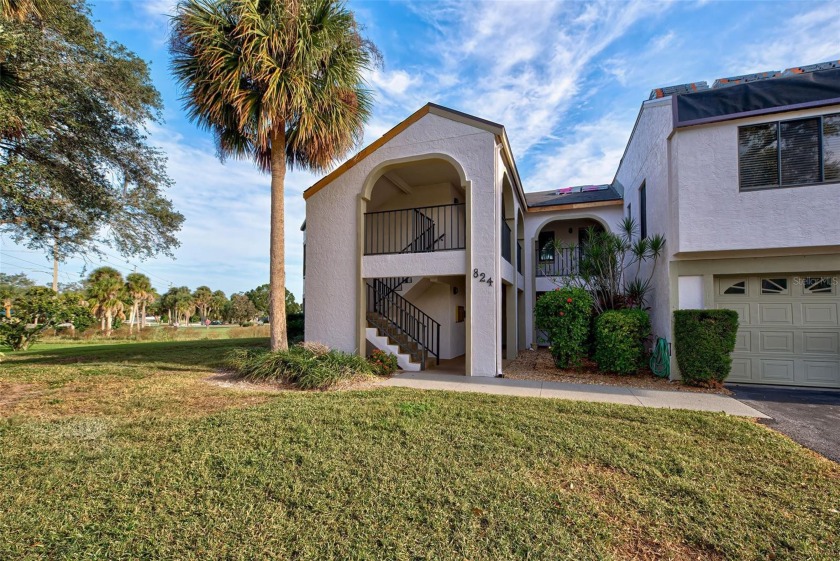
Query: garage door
{"points": [[789, 330]]}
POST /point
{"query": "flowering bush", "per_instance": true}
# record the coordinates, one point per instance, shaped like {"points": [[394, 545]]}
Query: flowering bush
{"points": [[382, 363], [565, 314]]}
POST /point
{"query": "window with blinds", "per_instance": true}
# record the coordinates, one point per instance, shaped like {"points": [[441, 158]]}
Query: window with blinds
{"points": [[800, 151], [789, 153], [831, 147]]}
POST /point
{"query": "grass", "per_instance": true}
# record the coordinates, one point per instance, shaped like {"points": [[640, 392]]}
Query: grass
{"points": [[123, 452]]}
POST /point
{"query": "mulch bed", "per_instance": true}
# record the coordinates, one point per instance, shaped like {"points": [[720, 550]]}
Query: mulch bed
{"points": [[539, 365]]}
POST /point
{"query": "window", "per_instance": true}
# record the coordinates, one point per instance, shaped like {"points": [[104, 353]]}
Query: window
{"points": [[733, 286], [643, 210], [774, 286], [789, 153], [546, 250], [819, 285]]}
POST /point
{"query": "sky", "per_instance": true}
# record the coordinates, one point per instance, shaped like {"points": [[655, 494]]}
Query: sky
{"points": [[566, 79]]}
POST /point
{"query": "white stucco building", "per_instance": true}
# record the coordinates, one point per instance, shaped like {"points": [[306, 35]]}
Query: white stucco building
{"points": [[427, 244]]}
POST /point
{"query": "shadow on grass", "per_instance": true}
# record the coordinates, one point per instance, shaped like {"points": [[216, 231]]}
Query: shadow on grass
{"points": [[203, 352]]}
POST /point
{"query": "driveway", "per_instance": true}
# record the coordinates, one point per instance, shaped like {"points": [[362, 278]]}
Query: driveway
{"points": [[810, 417]]}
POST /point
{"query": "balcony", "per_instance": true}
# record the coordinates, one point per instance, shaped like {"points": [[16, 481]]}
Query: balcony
{"points": [[563, 262], [416, 230], [506, 241]]}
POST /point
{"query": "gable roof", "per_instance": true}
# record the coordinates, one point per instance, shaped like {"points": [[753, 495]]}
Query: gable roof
{"points": [[429, 108]]}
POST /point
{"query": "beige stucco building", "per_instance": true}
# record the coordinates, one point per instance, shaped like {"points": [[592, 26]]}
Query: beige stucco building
{"points": [[427, 245]]}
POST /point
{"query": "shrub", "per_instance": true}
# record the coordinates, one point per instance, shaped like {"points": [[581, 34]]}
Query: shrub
{"points": [[620, 340], [382, 363], [302, 366], [703, 340], [564, 313], [294, 327]]}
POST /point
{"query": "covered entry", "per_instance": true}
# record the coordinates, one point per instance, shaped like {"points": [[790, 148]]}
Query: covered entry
{"points": [[789, 331]]}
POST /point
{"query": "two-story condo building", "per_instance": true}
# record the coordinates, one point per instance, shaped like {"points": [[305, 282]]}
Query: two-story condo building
{"points": [[426, 243]]}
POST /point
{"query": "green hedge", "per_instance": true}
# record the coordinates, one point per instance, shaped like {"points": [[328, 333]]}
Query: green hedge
{"points": [[703, 340], [564, 313], [620, 340]]}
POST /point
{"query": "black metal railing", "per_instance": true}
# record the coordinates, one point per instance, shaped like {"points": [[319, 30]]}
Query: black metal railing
{"points": [[405, 318], [416, 230], [519, 257], [560, 262], [393, 284], [506, 241]]}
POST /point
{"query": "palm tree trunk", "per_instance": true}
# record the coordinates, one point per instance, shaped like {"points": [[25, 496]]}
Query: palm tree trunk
{"points": [[108, 323], [277, 253], [132, 316], [143, 316]]}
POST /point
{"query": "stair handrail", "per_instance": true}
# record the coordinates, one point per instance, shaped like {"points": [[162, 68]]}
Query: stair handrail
{"points": [[407, 318]]}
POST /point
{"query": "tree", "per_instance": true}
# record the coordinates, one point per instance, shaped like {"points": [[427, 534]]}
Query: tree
{"points": [[138, 287], [279, 83], [260, 298], [12, 286], [241, 309], [292, 307], [105, 288], [203, 298], [219, 301], [36, 309], [75, 167]]}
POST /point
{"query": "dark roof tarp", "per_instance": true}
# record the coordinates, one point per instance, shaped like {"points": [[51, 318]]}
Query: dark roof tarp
{"points": [[811, 89]]}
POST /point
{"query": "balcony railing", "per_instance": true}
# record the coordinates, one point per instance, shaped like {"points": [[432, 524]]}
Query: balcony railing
{"points": [[506, 241], [416, 230], [519, 257], [557, 262]]}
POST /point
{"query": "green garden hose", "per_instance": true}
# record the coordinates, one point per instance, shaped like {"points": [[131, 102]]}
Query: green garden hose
{"points": [[660, 362]]}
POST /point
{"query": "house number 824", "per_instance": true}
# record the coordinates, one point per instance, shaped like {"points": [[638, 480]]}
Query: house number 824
{"points": [[482, 277]]}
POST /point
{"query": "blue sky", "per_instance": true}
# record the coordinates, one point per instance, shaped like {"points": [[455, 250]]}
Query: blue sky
{"points": [[566, 80]]}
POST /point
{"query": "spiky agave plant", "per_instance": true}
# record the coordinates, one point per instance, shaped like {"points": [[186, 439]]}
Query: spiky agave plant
{"points": [[279, 83]]}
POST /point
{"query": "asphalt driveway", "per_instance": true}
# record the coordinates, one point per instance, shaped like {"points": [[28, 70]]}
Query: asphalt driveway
{"points": [[810, 417]]}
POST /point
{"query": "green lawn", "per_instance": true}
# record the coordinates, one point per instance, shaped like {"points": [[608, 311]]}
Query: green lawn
{"points": [[123, 452]]}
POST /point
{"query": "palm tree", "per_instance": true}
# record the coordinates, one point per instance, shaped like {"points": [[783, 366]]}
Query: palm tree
{"points": [[150, 297], [279, 83], [104, 293], [203, 298], [20, 10], [137, 286]]}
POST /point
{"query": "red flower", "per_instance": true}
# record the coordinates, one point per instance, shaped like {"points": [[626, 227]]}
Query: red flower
{"points": [[562, 314], [569, 300]]}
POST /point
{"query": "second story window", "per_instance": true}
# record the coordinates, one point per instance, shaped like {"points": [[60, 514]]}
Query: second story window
{"points": [[789, 153], [643, 210]]}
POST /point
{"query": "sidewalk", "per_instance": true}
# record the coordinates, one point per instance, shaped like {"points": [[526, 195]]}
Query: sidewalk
{"points": [[579, 392]]}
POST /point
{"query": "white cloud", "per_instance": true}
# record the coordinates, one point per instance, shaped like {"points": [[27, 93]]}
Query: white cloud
{"points": [[807, 38], [525, 64], [587, 155]]}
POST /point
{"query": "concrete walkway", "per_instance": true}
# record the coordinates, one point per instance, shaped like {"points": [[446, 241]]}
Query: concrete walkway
{"points": [[625, 395]]}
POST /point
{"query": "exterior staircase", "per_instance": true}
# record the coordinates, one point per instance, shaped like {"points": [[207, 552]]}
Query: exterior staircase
{"points": [[397, 326], [387, 339]]}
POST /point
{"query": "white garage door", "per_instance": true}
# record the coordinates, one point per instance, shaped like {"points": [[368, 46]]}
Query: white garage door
{"points": [[789, 331]]}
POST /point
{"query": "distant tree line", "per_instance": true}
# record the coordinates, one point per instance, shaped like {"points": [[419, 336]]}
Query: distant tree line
{"points": [[106, 299]]}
